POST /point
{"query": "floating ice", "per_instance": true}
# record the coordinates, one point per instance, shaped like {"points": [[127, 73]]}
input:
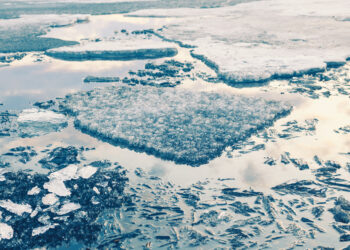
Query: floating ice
{"points": [[49, 199], [247, 43], [57, 179], [6, 232], [34, 191], [15, 208], [25, 34], [67, 208], [87, 172], [123, 50], [34, 122], [43, 229], [183, 126]]}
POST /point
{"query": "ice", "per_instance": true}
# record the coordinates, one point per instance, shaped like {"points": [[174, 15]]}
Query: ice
{"points": [[6, 232], [25, 34], [247, 43], [43, 229], [60, 157], [57, 179], [87, 172], [124, 49], [15, 208], [33, 122], [34, 191], [180, 125], [73, 218], [49, 199], [68, 207]]}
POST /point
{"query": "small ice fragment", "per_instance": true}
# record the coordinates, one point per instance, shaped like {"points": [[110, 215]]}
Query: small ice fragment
{"points": [[49, 199], [68, 207], [35, 190], [43, 229], [86, 172], [15, 208], [6, 232]]}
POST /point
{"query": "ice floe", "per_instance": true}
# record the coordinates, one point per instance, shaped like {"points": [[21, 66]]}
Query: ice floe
{"points": [[6, 232], [247, 43], [123, 50], [32, 122], [15, 208], [180, 125], [24, 34]]}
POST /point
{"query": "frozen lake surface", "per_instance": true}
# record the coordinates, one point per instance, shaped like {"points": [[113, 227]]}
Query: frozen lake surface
{"points": [[99, 152]]}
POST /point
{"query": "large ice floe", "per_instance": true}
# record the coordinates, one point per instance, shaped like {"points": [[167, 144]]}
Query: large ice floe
{"points": [[261, 40], [122, 49], [26, 33], [180, 125]]}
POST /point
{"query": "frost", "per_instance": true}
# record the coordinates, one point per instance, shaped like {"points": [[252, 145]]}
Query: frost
{"points": [[6, 232], [34, 122], [179, 125], [15, 208], [247, 43]]}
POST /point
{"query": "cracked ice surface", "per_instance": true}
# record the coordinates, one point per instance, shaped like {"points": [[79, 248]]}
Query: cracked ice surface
{"points": [[262, 40], [183, 126]]}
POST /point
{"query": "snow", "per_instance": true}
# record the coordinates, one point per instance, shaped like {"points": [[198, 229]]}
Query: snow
{"points": [[68, 207], [15, 208], [6, 231], [34, 122], [175, 124], [261, 40]]}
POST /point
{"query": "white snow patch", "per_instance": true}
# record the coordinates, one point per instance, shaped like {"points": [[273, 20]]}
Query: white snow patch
{"points": [[15, 208]]}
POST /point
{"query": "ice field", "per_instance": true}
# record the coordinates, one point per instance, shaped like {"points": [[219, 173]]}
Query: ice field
{"points": [[175, 124]]}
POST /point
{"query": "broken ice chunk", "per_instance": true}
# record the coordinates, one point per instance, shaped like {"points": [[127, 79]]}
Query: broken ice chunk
{"points": [[6, 231], [15, 208], [33, 122]]}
